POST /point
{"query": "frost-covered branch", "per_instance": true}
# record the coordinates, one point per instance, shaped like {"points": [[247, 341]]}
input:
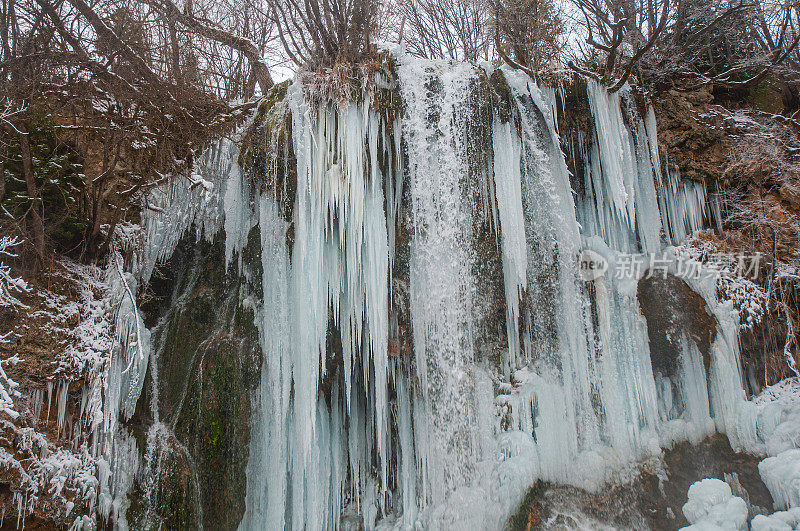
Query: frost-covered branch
{"points": [[8, 387], [9, 284]]}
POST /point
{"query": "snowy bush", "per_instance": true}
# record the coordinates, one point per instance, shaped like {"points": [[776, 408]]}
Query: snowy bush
{"points": [[748, 298], [9, 284], [8, 387]]}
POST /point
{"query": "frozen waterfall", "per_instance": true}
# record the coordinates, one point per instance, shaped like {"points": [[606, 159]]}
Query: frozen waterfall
{"points": [[429, 347]]}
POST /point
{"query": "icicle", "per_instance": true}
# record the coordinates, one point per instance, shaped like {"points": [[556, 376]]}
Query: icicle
{"points": [[577, 397], [685, 207], [615, 148], [338, 275], [238, 214], [268, 464], [186, 201], [507, 156]]}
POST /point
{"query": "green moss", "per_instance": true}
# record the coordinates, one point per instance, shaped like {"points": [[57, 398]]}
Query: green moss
{"points": [[251, 260], [266, 153], [765, 98], [209, 366], [269, 127], [174, 492], [502, 99]]}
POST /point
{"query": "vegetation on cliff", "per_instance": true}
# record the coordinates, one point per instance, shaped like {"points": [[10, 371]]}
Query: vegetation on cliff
{"points": [[103, 102]]}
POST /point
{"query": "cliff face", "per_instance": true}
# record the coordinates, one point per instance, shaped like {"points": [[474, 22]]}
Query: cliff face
{"points": [[749, 157], [207, 367], [194, 417], [693, 133], [55, 340], [732, 143]]}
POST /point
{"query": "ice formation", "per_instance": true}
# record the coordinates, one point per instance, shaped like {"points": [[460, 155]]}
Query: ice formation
{"points": [[781, 475], [395, 224], [712, 506], [777, 521], [686, 207]]}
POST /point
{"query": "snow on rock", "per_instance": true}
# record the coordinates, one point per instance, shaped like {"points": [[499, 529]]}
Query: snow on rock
{"points": [[777, 521], [711, 505], [781, 475], [50, 460], [777, 413]]}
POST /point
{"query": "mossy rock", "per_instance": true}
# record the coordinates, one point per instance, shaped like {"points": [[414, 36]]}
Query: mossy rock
{"points": [[502, 98], [173, 501], [208, 366]]}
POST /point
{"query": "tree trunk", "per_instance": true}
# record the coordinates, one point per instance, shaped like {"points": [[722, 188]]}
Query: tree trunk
{"points": [[175, 65], [30, 180]]}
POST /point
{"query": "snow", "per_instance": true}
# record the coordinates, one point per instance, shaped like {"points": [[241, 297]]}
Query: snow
{"points": [[10, 284], [777, 521], [711, 506], [56, 477], [781, 475], [87, 352], [59, 470]]}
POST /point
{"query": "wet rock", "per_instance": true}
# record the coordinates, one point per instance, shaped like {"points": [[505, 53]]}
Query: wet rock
{"points": [[671, 309], [208, 365], [652, 500]]}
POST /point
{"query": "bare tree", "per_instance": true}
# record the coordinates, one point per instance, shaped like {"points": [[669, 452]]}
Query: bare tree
{"points": [[621, 32], [733, 43], [724, 42], [528, 34], [114, 95], [204, 28], [320, 34], [451, 29]]}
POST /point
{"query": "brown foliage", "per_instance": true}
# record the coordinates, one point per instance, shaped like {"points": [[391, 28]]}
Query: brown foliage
{"points": [[129, 94]]}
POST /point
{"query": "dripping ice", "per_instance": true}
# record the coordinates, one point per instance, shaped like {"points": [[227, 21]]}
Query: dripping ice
{"points": [[445, 436]]}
